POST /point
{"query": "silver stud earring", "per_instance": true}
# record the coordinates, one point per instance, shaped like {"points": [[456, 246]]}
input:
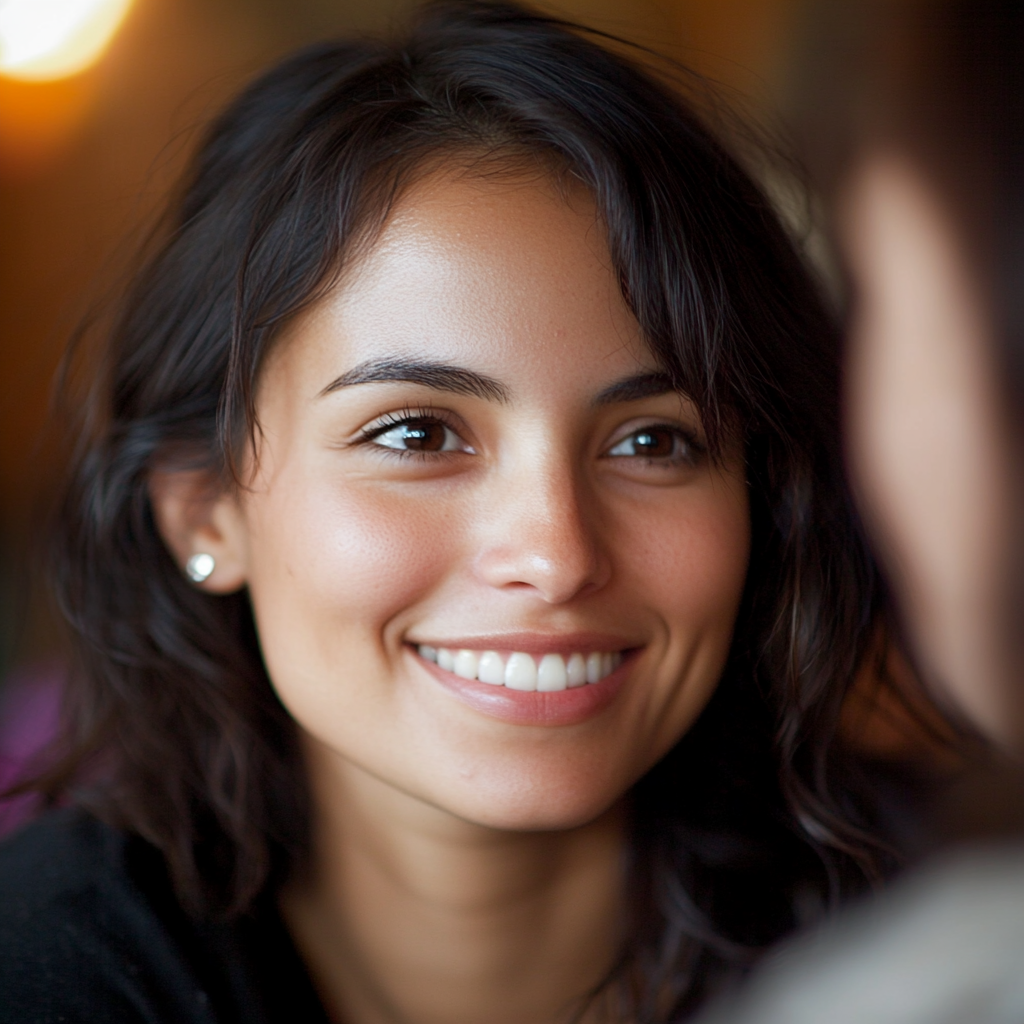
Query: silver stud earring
{"points": [[200, 566]]}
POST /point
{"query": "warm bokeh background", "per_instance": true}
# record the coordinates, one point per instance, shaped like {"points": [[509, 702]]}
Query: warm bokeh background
{"points": [[84, 162]]}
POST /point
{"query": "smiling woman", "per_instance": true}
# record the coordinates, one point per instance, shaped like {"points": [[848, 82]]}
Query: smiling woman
{"points": [[463, 582], [573, 504]]}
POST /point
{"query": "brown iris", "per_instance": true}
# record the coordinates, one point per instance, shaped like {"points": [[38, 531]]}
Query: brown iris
{"points": [[654, 442], [423, 435]]}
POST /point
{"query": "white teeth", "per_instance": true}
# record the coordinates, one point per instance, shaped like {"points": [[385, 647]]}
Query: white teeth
{"points": [[521, 671], [551, 673], [492, 668], [466, 664], [576, 671]]}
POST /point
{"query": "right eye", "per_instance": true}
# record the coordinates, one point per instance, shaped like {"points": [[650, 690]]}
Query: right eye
{"points": [[419, 434]]}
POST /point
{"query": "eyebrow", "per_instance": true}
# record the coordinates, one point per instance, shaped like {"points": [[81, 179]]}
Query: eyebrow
{"points": [[460, 381], [632, 389], [439, 376]]}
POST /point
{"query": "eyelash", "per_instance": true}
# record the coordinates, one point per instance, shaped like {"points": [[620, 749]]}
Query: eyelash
{"points": [[396, 419]]}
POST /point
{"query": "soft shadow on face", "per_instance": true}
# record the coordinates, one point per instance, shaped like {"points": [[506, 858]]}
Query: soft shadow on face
{"points": [[927, 441], [450, 458]]}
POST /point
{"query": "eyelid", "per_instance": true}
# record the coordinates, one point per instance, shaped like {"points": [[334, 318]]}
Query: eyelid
{"points": [[691, 435], [385, 422]]}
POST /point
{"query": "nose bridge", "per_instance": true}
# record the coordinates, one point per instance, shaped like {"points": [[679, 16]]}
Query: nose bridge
{"points": [[544, 531]]}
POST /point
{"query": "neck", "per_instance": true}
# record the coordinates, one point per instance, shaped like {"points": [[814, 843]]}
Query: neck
{"points": [[410, 915]]}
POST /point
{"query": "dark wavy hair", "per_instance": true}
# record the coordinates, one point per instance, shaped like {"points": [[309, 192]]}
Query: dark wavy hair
{"points": [[749, 821]]}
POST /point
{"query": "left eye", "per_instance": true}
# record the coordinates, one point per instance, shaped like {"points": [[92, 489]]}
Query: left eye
{"points": [[657, 442], [421, 435]]}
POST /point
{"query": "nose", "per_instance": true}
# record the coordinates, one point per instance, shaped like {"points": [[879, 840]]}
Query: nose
{"points": [[543, 535]]}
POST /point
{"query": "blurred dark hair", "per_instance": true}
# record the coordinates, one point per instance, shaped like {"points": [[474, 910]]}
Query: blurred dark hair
{"points": [[744, 823]]}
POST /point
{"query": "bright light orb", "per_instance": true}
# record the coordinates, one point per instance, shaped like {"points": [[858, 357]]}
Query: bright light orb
{"points": [[41, 40]]}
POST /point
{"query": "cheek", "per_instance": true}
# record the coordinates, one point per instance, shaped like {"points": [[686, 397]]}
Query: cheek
{"points": [[692, 560], [691, 563], [330, 565]]}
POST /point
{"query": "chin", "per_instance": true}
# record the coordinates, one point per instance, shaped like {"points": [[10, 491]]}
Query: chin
{"points": [[536, 818], [530, 805]]}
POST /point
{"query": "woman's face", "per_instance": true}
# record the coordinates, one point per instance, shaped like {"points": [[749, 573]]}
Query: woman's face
{"points": [[467, 448]]}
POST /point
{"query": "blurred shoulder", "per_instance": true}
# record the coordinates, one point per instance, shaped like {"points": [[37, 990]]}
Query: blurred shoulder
{"points": [[946, 943]]}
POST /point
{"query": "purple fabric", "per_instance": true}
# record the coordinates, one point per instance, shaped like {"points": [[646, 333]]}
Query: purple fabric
{"points": [[29, 712]]}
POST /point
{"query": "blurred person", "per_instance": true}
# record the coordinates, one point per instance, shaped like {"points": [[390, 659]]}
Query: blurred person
{"points": [[912, 123], [457, 554]]}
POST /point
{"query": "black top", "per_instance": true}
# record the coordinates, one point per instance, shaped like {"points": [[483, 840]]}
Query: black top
{"points": [[90, 933]]}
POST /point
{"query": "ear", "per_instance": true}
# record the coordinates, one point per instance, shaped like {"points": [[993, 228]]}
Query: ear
{"points": [[195, 514]]}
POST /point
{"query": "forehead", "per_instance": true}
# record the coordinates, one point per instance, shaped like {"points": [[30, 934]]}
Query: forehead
{"points": [[511, 277]]}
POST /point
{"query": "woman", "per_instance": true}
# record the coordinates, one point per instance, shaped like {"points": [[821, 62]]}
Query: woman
{"points": [[462, 578]]}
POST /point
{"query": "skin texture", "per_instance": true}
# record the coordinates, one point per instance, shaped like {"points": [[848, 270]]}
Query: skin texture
{"points": [[468, 868], [927, 438]]}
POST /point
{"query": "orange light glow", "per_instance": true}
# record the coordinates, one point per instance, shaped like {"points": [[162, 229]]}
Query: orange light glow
{"points": [[43, 40]]}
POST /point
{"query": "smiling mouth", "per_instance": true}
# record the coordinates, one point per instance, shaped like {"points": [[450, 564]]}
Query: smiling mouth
{"points": [[517, 670]]}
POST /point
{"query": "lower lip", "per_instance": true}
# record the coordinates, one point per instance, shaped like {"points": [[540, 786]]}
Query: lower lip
{"points": [[519, 707]]}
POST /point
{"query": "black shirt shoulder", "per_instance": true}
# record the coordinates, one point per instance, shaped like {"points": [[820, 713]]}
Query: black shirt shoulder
{"points": [[90, 931]]}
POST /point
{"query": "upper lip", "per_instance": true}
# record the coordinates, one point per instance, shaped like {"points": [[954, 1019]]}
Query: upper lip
{"points": [[533, 643]]}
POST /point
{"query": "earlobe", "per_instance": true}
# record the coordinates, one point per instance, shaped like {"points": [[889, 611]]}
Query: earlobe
{"points": [[202, 526]]}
